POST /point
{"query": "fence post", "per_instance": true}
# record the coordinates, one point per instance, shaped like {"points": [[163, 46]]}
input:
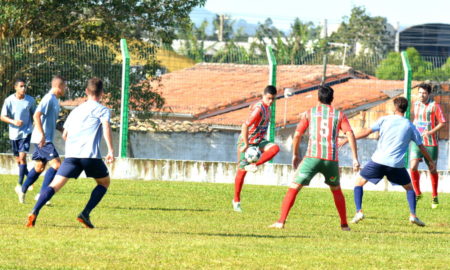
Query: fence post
{"points": [[272, 81], [407, 92], [123, 140]]}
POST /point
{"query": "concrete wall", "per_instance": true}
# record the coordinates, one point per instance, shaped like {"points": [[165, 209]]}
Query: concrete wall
{"points": [[223, 172]]}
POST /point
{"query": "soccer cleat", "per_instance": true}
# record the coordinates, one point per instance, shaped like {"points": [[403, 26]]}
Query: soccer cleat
{"points": [[36, 198], [434, 203], [251, 168], [345, 227], [236, 206], [358, 217], [31, 220], [417, 221], [418, 197], [85, 221], [20, 194], [277, 225]]}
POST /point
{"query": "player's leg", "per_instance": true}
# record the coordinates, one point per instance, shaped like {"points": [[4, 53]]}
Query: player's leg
{"points": [[433, 151], [22, 162], [40, 161], [239, 179], [415, 158], [269, 151], [97, 169], [51, 172], [330, 170]]}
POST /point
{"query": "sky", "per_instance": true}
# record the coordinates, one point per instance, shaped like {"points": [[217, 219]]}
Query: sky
{"points": [[283, 12]]}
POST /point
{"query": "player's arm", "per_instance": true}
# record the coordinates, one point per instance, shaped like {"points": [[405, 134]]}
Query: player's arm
{"points": [[347, 129], [440, 119], [363, 133], [107, 134], [64, 134], [297, 139], [244, 136], [255, 117], [5, 118], [430, 162], [38, 125]]}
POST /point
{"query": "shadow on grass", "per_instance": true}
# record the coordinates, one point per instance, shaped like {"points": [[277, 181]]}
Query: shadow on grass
{"points": [[239, 235], [157, 209]]}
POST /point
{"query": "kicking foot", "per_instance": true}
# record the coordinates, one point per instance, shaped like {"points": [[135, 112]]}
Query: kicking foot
{"points": [[358, 217], [435, 203], [20, 194], [277, 225], [236, 206], [85, 221], [417, 221], [31, 220], [251, 168], [345, 227]]}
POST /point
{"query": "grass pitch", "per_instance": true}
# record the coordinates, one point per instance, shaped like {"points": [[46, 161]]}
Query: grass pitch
{"points": [[173, 225]]}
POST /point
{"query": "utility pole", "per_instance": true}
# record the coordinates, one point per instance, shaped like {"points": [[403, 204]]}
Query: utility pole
{"points": [[397, 38], [221, 21]]}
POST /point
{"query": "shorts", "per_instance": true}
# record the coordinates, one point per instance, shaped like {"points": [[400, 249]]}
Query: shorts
{"points": [[73, 167], [45, 153], [309, 167], [416, 154], [242, 161], [374, 172], [21, 145]]}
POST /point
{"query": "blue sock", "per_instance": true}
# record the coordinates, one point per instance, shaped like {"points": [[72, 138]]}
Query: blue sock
{"points": [[22, 172], [48, 178], [45, 196], [96, 196], [31, 178], [411, 196], [358, 193]]}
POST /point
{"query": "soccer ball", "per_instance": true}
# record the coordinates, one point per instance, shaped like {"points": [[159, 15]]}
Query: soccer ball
{"points": [[252, 154]]}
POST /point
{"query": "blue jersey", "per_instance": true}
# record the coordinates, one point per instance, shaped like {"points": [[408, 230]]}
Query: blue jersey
{"points": [[19, 109], [49, 108], [396, 132], [84, 130]]}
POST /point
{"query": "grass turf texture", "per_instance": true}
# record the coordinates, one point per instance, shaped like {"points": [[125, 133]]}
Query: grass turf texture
{"points": [[175, 225]]}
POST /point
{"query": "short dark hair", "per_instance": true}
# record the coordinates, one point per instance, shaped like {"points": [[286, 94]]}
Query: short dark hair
{"points": [[58, 77], [94, 86], [425, 86], [19, 81], [326, 94], [401, 104], [270, 89]]}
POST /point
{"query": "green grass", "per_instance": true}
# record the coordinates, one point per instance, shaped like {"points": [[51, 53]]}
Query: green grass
{"points": [[173, 225]]}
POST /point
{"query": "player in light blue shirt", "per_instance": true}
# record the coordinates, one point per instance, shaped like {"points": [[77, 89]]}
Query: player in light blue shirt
{"points": [[42, 137], [17, 111], [396, 132], [83, 131]]}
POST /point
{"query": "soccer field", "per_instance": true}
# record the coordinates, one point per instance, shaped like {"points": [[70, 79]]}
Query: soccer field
{"points": [[174, 225]]}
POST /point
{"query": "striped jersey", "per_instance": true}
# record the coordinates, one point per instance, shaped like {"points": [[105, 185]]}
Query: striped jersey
{"points": [[425, 117], [258, 122], [324, 123]]}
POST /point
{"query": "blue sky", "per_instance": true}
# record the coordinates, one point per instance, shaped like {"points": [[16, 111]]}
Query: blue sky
{"points": [[283, 12]]}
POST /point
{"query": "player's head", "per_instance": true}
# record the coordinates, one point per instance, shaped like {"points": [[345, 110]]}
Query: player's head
{"points": [[401, 104], [326, 94], [58, 85], [94, 87], [424, 92], [20, 86], [269, 95]]}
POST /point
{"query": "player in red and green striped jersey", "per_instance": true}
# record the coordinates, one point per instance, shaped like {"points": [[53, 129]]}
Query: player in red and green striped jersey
{"points": [[428, 119], [253, 133], [324, 123]]}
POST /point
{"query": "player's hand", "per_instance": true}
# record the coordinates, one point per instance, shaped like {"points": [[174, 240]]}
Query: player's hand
{"points": [[243, 148], [42, 141], [17, 123], [296, 161], [426, 133], [342, 142], [110, 158], [432, 166], [356, 165]]}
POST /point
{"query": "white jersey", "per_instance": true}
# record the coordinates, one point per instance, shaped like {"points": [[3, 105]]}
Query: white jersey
{"points": [[84, 130]]}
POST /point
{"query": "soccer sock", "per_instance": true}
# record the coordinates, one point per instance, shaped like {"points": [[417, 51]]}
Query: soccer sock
{"points": [[411, 196], [238, 183], [434, 183], [358, 193], [339, 201], [268, 155], [415, 179], [48, 178], [31, 178], [45, 196], [96, 196], [22, 172], [287, 204]]}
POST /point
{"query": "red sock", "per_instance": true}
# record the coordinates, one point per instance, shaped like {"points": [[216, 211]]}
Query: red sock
{"points": [[415, 178], [287, 204], [238, 183], [268, 155], [434, 183], [339, 201]]}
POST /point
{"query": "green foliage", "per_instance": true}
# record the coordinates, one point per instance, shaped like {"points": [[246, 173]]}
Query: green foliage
{"points": [[173, 225]]}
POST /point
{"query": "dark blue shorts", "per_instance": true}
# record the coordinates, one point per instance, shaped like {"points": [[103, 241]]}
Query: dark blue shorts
{"points": [[45, 153], [21, 145], [374, 172], [93, 167]]}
